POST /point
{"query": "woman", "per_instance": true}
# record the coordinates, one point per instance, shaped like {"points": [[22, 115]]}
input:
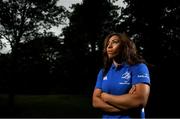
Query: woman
{"points": [[123, 84]]}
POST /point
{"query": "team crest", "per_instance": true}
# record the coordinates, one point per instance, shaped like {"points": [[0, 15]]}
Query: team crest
{"points": [[126, 75]]}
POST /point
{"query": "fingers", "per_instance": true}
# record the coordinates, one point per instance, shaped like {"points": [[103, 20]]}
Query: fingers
{"points": [[132, 90]]}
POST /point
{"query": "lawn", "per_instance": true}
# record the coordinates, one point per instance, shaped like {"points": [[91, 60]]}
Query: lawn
{"points": [[47, 106]]}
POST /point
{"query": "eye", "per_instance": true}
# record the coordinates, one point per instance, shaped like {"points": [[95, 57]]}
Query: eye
{"points": [[115, 42]]}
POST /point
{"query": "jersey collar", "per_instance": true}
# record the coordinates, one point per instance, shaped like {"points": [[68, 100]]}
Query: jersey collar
{"points": [[124, 64]]}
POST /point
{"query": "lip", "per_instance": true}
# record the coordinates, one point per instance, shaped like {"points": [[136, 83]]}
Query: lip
{"points": [[109, 52]]}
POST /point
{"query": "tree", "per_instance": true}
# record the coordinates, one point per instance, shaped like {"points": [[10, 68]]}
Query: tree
{"points": [[38, 60], [154, 26], [22, 21], [89, 23], [153, 23]]}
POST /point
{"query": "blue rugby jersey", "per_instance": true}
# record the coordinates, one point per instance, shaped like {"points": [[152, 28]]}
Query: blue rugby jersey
{"points": [[119, 80]]}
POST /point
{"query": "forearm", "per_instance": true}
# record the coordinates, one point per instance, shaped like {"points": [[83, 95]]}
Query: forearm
{"points": [[137, 97], [123, 102], [99, 103]]}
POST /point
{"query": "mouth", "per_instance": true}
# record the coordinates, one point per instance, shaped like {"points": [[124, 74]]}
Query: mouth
{"points": [[109, 52]]}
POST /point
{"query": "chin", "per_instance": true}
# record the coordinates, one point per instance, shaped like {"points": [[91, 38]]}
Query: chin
{"points": [[110, 56]]}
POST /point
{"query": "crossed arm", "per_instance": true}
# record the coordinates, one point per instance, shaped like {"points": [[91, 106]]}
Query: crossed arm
{"points": [[137, 97]]}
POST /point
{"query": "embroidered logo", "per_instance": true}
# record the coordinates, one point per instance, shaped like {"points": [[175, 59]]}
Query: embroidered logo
{"points": [[126, 75], [143, 76]]}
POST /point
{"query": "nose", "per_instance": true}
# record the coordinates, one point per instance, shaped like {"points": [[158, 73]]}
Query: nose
{"points": [[109, 45]]}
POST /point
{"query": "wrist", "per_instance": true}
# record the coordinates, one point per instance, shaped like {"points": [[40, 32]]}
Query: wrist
{"points": [[104, 97]]}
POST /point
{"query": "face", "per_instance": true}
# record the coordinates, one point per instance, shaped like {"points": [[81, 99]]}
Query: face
{"points": [[113, 46]]}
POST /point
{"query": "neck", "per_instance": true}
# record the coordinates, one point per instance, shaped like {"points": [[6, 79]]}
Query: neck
{"points": [[116, 63]]}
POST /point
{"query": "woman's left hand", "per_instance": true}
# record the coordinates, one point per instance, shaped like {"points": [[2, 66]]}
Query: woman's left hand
{"points": [[104, 97]]}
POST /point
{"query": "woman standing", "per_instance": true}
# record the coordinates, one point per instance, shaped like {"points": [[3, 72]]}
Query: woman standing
{"points": [[123, 84]]}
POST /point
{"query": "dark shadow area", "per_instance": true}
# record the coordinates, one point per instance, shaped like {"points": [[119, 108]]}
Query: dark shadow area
{"points": [[48, 106], [45, 75]]}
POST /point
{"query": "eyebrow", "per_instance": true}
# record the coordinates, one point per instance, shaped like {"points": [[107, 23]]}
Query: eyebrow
{"points": [[114, 40]]}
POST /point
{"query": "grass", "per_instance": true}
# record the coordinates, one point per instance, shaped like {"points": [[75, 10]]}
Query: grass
{"points": [[47, 106]]}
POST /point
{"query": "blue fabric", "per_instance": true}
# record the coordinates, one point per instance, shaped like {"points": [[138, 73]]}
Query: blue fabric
{"points": [[119, 80]]}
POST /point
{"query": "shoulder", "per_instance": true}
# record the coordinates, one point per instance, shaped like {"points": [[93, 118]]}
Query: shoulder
{"points": [[101, 70], [140, 67], [100, 73]]}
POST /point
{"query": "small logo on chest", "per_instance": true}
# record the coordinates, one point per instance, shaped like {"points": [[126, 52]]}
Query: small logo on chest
{"points": [[126, 75]]}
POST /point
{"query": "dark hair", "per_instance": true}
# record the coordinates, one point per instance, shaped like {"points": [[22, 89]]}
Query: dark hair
{"points": [[127, 52]]}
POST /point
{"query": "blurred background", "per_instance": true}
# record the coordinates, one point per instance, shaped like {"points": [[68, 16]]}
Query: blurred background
{"points": [[51, 52]]}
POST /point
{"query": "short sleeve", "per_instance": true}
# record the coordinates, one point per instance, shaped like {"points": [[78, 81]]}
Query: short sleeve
{"points": [[140, 74], [99, 79]]}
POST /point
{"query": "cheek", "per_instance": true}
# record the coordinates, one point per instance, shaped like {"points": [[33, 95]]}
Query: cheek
{"points": [[116, 49], [115, 52]]}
